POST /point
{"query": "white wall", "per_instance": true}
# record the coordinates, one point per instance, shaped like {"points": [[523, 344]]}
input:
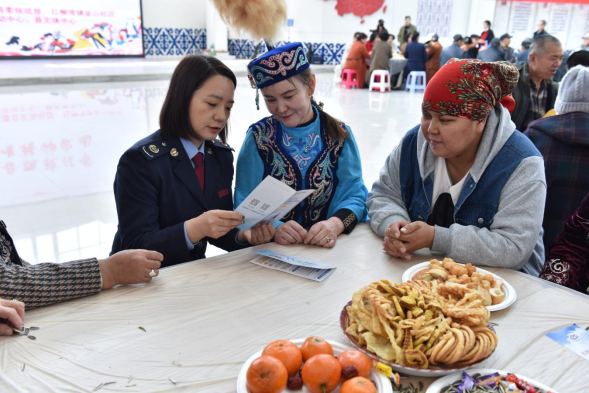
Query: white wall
{"points": [[187, 14], [318, 20]]}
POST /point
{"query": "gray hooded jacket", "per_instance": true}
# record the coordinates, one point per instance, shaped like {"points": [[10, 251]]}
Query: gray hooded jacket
{"points": [[515, 238]]}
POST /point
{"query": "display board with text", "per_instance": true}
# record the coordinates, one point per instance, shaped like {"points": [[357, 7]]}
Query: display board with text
{"points": [[70, 28]]}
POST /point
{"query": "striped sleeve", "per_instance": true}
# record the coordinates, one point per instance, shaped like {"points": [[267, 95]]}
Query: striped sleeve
{"points": [[49, 283]]}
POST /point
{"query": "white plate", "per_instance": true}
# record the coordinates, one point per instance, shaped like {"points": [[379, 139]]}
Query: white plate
{"points": [[437, 386], [383, 384], [508, 290]]}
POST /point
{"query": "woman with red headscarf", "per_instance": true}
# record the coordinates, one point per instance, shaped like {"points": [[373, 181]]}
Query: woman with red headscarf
{"points": [[464, 183]]}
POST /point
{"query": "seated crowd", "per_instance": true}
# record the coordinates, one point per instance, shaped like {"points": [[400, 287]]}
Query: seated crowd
{"points": [[471, 180]]}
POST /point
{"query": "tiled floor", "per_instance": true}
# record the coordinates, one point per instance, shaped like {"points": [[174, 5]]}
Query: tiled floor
{"points": [[60, 145]]}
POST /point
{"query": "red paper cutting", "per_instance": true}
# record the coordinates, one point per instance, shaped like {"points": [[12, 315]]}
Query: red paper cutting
{"points": [[359, 8]]}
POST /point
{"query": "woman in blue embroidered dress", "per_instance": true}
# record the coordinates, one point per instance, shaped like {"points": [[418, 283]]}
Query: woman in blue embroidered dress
{"points": [[304, 147]]}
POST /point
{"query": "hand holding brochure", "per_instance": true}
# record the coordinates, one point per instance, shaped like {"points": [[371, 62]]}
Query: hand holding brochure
{"points": [[292, 265], [270, 201]]}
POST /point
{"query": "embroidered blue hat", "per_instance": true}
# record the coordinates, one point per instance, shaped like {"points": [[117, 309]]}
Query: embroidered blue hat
{"points": [[277, 65]]}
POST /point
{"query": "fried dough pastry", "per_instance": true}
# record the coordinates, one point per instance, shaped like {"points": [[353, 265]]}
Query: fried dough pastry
{"points": [[465, 278], [421, 324]]}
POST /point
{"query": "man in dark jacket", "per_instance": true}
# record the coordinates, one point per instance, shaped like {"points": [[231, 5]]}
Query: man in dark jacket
{"points": [[563, 141], [523, 54], [453, 50], [416, 55], [508, 51], [474, 51], [541, 29], [492, 53], [536, 92]]}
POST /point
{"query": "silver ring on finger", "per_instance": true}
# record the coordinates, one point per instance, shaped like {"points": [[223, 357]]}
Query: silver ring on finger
{"points": [[328, 239], [14, 300], [152, 273], [265, 239]]}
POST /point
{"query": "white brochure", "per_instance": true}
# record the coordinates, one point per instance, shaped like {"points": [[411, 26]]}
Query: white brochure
{"points": [[292, 265], [270, 201]]}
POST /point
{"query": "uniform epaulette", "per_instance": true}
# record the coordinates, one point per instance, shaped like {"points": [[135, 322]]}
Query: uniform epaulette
{"points": [[219, 143], [154, 149]]}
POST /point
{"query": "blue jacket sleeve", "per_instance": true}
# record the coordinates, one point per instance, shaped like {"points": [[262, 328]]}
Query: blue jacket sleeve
{"points": [[351, 193], [250, 169]]}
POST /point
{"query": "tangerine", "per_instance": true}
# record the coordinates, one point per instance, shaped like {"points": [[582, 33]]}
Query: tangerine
{"points": [[266, 374], [287, 352], [321, 373], [358, 385], [314, 346], [358, 359]]}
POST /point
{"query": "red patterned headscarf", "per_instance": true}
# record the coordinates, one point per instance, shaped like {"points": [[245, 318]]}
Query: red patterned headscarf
{"points": [[470, 88]]}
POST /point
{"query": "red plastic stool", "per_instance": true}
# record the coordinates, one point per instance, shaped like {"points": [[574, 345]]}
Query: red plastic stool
{"points": [[349, 79]]}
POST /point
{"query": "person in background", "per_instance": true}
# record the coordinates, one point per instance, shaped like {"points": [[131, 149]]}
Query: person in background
{"points": [[563, 140], [508, 52], [381, 53], [567, 262], [304, 147], [173, 188], [474, 50], [416, 55], [536, 92], [452, 51], [49, 283], [467, 44], [380, 28], [541, 29], [585, 44], [434, 50], [492, 53], [487, 34], [522, 56], [357, 57], [370, 43], [391, 42], [404, 46], [406, 31], [349, 46], [464, 182], [580, 57]]}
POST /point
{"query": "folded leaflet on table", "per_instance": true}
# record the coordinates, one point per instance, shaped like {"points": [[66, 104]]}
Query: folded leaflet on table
{"points": [[292, 265]]}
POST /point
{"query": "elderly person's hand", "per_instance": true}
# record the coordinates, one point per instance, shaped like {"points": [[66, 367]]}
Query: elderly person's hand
{"points": [[262, 233], [404, 237], [291, 232], [12, 315], [325, 233], [130, 267]]}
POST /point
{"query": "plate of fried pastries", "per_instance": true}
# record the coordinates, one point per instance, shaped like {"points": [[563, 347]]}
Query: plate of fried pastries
{"points": [[415, 330], [452, 279]]}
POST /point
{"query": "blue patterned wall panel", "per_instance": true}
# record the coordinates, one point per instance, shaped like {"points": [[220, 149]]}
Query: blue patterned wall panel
{"points": [[330, 53], [174, 42]]}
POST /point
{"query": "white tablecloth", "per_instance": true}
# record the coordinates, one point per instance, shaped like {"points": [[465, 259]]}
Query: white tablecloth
{"points": [[396, 65], [204, 319]]}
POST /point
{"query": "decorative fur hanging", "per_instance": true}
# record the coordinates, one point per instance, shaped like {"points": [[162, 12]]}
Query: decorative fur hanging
{"points": [[259, 18]]}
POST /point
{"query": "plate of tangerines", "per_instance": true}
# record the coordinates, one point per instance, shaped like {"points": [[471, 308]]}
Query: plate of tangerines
{"points": [[310, 365]]}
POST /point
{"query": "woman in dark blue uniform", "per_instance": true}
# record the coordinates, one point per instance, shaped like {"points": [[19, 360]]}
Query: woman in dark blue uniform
{"points": [[173, 188]]}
